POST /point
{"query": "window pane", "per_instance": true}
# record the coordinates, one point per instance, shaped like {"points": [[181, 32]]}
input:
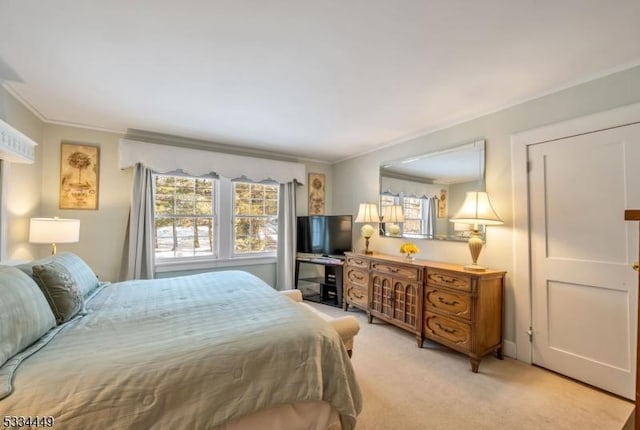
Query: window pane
{"points": [[242, 226], [257, 191], [184, 217], [257, 207], [271, 207], [412, 207], [242, 190], [271, 192], [183, 192], [184, 182], [242, 236], [204, 207], [242, 206], [411, 227], [255, 224], [271, 235], [184, 207], [164, 205], [205, 236], [164, 236]]}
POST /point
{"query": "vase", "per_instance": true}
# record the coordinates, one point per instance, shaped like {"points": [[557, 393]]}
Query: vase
{"points": [[409, 256]]}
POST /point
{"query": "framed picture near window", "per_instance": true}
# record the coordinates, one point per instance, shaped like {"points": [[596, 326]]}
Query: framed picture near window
{"points": [[442, 204], [79, 173], [316, 193]]}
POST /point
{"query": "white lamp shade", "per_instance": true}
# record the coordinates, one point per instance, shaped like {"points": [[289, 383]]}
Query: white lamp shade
{"points": [[393, 214], [459, 226], [54, 230], [368, 212], [477, 210]]}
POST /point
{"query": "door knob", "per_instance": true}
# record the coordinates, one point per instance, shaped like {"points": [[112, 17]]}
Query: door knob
{"points": [[636, 266]]}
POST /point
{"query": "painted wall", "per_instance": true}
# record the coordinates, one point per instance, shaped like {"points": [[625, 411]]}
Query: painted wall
{"points": [[302, 202], [21, 182], [101, 231], [357, 178], [32, 190], [266, 272]]}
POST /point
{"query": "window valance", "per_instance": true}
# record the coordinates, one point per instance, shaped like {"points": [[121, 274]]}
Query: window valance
{"points": [[196, 162]]}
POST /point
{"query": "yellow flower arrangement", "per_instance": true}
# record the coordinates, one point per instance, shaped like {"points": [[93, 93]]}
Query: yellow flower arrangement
{"points": [[409, 248]]}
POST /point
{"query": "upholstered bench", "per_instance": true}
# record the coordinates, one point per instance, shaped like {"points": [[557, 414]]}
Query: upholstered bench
{"points": [[346, 326]]}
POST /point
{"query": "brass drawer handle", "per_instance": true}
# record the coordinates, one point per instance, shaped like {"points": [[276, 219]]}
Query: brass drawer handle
{"points": [[446, 330], [357, 276], [393, 269], [444, 302], [636, 266], [447, 280]]}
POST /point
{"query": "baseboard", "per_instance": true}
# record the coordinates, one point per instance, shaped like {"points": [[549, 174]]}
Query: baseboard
{"points": [[509, 348]]}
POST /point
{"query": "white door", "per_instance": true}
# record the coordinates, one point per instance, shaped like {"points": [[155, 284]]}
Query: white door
{"points": [[584, 299]]}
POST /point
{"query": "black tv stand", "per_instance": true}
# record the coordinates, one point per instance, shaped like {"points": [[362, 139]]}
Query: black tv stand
{"points": [[326, 289]]}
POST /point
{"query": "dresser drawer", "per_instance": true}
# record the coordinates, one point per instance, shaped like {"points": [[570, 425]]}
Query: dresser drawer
{"points": [[412, 273], [358, 262], [447, 279], [357, 277], [356, 295], [447, 331], [448, 302]]}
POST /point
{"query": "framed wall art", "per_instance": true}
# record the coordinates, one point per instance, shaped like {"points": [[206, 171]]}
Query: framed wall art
{"points": [[442, 204], [316, 193], [79, 174]]}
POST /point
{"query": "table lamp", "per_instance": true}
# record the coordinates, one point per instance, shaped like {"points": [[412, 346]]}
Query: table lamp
{"points": [[392, 216], [53, 231], [476, 211], [367, 213]]}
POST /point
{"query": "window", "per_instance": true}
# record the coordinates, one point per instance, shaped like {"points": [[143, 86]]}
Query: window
{"points": [[255, 218], [200, 220], [412, 209], [184, 216]]}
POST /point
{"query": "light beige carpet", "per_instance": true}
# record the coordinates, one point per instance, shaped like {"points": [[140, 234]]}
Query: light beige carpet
{"points": [[405, 387]]}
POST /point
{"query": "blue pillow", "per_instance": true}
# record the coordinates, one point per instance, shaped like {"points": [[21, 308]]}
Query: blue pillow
{"points": [[25, 314], [80, 271]]}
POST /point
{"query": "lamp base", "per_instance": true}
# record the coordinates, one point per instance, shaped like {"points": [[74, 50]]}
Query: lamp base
{"points": [[366, 246], [475, 246], [475, 268]]}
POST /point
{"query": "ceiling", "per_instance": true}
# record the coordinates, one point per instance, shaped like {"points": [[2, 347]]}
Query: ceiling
{"points": [[323, 80]]}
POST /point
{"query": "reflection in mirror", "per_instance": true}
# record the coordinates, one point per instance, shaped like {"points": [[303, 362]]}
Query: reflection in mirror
{"points": [[427, 189]]}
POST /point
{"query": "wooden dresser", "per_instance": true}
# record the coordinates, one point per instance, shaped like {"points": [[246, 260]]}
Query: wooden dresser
{"points": [[442, 302]]}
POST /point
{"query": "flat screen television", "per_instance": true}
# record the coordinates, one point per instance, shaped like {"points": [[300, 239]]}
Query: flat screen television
{"points": [[324, 234]]}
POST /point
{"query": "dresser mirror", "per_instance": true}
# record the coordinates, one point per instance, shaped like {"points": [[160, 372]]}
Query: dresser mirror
{"points": [[428, 189]]}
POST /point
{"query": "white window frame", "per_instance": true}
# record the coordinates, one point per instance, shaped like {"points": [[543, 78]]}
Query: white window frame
{"points": [[223, 253], [232, 245]]}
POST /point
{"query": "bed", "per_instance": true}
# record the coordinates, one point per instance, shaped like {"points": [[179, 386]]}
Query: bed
{"points": [[219, 350]]}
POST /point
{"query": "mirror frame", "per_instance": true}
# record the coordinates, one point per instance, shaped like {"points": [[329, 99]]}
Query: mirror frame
{"points": [[477, 145]]}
